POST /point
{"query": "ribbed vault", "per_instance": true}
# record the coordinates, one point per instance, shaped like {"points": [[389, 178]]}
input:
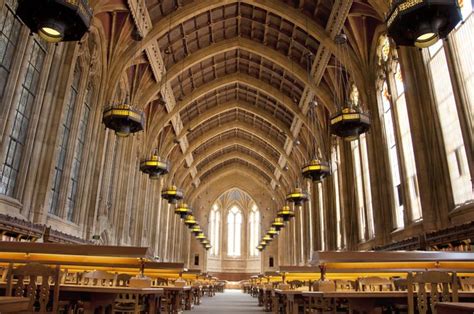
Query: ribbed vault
{"points": [[233, 79]]}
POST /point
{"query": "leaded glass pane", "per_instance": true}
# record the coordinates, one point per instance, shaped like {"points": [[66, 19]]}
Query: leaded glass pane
{"points": [[23, 108]]}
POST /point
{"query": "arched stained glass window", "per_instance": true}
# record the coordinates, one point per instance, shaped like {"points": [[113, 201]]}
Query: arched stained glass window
{"points": [[214, 228], [234, 231], [398, 136], [254, 230]]}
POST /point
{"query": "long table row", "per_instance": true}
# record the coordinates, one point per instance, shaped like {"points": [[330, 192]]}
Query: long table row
{"points": [[95, 279], [369, 282]]}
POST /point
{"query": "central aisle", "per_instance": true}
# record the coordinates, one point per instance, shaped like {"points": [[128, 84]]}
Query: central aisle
{"points": [[229, 302]]}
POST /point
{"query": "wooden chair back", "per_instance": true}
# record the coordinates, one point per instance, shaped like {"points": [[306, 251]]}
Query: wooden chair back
{"points": [[467, 283], [400, 284], [432, 287], [344, 285], [127, 302], [98, 278], [34, 281], [275, 284], [296, 284], [122, 280], [375, 284], [4, 272], [160, 282]]}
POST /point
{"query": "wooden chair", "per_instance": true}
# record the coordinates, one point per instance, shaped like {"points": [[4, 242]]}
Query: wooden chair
{"points": [[35, 281], [160, 282], [467, 283], [375, 284], [126, 302], [344, 285], [439, 284], [295, 284], [98, 278], [4, 272]]}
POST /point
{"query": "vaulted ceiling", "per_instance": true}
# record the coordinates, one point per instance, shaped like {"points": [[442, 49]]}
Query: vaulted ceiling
{"points": [[232, 79]]}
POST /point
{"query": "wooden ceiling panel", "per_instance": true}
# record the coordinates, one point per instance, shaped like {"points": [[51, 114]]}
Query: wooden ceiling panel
{"points": [[238, 163]]}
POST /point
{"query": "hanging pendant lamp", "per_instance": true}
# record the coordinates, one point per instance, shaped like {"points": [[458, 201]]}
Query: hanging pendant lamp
{"points": [[267, 238], [196, 230], [172, 194], [286, 213], [154, 167], [278, 223], [123, 119], [350, 122], [56, 20], [272, 232], [297, 196], [422, 23], [260, 248], [201, 237], [190, 221], [182, 210], [208, 247], [205, 242], [316, 170]]}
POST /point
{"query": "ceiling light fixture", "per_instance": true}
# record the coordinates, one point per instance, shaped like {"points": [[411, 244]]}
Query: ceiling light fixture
{"points": [[422, 23], [56, 20]]}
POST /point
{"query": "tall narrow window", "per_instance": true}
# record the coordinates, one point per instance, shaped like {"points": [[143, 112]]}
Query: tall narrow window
{"points": [[64, 132], [398, 137], [362, 186], [464, 45], [78, 154], [337, 198], [17, 137], [214, 227], [9, 33], [234, 231], [254, 230], [460, 176]]}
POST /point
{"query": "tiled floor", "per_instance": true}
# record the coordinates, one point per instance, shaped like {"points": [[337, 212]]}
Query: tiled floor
{"points": [[229, 302]]}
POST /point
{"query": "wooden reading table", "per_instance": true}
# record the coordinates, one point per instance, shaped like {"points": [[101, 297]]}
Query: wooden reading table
{"points": [[455, 308], [13, 304]]}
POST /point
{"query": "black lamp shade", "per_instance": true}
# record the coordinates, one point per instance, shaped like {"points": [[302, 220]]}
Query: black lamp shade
{"points": [[183, 210], [421, 23], [154, 167], [172, 194], [349, 123], [56, 20], [123, 119], [286, 213], [316, 170], [297, 196]]}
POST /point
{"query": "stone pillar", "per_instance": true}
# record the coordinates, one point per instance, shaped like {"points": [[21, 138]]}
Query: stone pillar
{"points": [[316, 218]]}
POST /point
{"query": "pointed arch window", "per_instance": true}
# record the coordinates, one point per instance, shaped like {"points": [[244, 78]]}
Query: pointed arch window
{"points": [[335, 153], [452, 116], [214, 228], [362, 185], [254, 230], [23, 108], [64, 135], [78, 154], [398, 136], [234, 232], [9, 33]]}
